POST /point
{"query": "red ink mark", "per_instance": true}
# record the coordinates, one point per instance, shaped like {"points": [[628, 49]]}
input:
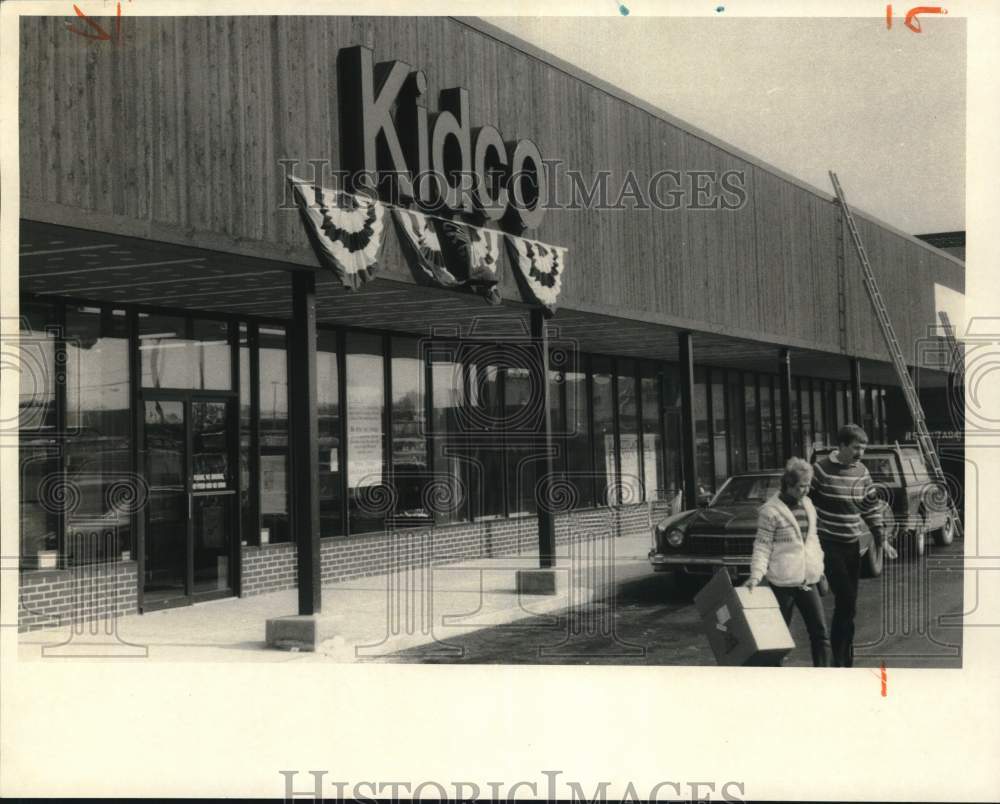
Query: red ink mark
{"points": [[884, 680], [118, 24], [888, 16], [911, 20], [101, 34]]}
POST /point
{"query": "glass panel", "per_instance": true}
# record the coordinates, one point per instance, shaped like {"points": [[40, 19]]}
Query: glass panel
{"points": [[273, 390], [410, 465], [449, 492], [805, 417], [652, 445], [167, 354], [876, 432], [779, 426], [248, 510], [365, 431], [211, 524], [98, 454], [628, 433], [796, 419], [165, 568], [703, 447], [672, 423], [768, 459], [38, 451], [735, 414], [173, 359], [579, 455], [485, 397], [841, 392], [604, 432], [212, 353], [211, 471], [328, 413], [720, 445], [521, 459], [819, 418], [753, 424]]}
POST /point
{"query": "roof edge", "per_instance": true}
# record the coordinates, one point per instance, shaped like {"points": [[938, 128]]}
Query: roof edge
{"points": [[504, 37]]}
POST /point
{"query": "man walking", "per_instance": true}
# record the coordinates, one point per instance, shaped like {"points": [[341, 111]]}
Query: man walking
{"points": [[843, 494]]}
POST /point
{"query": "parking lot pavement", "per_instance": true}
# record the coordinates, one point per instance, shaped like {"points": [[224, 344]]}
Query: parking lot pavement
{"points": [[648, 620]]}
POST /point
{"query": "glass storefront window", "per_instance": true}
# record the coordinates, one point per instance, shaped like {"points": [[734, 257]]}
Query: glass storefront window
{"points": [[487, 408], [796, 419], [98, 457], [628, 434], [753, 455], [652, 444], [819, 416], [181, 352], [272, 351], [672, 425], [522, 459], [579, 455], [248, 506], [705, 481], [604, 429], [779, 427], [410, 460], [365, 431], [720, 440], [767, 413], [737, 425], [448, 493], [38, 449], [331, 493]]}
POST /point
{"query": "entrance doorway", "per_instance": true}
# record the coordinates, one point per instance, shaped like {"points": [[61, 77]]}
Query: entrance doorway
{"points": [[187, 448]]}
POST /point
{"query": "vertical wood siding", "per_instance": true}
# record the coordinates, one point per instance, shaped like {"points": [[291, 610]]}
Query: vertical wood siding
{"points": [[181, 128]]}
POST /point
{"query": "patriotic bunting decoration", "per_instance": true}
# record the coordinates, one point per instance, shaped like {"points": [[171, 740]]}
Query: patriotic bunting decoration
{"points": [[540, 266], [479, 250], [418, 230], [345, 230]]}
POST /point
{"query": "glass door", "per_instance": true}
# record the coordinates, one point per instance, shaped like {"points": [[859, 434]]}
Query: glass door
{"points": [[189, 541]]}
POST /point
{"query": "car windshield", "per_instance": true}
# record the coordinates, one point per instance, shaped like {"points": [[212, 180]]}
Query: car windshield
{"points": [[751, 488], [881, 467]]}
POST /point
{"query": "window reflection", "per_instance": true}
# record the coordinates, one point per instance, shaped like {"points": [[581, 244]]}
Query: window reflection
{"points": [[274, 468]]}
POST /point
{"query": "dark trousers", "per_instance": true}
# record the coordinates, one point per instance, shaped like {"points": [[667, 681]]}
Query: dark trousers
{"points": [[809, 603], [842, 564]]}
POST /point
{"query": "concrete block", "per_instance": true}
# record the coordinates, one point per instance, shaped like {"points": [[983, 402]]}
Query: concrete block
{"points": [[536, 582], [301, 632]]}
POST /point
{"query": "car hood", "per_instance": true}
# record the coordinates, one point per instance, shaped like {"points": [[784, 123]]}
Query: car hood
{"points": [[724, 518]]}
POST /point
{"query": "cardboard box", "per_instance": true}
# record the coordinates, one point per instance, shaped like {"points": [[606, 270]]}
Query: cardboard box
{"points": [[743, 628]]}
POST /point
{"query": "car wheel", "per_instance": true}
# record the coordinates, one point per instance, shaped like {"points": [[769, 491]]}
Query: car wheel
{"points": [[872, 561], [945, 535], [916, 542]]}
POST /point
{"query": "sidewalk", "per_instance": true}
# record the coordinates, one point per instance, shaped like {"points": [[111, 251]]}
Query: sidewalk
{"points": [[370, 617]]}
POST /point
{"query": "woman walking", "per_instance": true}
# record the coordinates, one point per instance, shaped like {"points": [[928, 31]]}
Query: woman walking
{"points": [[787, 553]]}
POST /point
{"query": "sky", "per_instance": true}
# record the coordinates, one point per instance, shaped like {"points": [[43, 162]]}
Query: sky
{"points": [[883, 108]]}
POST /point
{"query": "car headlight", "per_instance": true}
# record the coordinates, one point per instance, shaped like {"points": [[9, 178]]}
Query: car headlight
{"points": [[674, 537]]}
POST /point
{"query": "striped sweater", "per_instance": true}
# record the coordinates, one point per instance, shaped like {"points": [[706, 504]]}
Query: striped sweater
{"points": [[845, 501]]}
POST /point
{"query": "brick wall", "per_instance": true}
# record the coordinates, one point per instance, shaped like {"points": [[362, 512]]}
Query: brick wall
{"points": [[271, 568], [59, 597]]}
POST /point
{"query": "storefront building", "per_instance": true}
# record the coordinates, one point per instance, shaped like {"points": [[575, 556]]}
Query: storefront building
{"points": [[170, 297]]}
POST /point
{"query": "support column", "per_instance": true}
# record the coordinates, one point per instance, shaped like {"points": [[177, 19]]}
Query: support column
{"points": [[304, 631], [688, 464], [785, 379], [857, 411], [542, 581]]}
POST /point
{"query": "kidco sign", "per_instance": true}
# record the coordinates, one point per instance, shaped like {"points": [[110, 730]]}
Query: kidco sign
{"points": [[393, 146]]}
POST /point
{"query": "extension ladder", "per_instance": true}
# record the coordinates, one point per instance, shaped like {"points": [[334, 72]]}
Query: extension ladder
{"points": [[898, 361]]}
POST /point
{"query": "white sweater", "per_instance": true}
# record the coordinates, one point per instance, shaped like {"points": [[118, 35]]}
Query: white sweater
{"points": [[781, 553]]}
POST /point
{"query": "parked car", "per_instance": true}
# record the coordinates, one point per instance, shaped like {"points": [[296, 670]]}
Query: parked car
{"points": [[695, 544], [919, 504]]}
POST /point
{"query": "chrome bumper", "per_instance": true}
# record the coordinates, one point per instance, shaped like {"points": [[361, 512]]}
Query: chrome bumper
{"points": [[659, 560]]}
